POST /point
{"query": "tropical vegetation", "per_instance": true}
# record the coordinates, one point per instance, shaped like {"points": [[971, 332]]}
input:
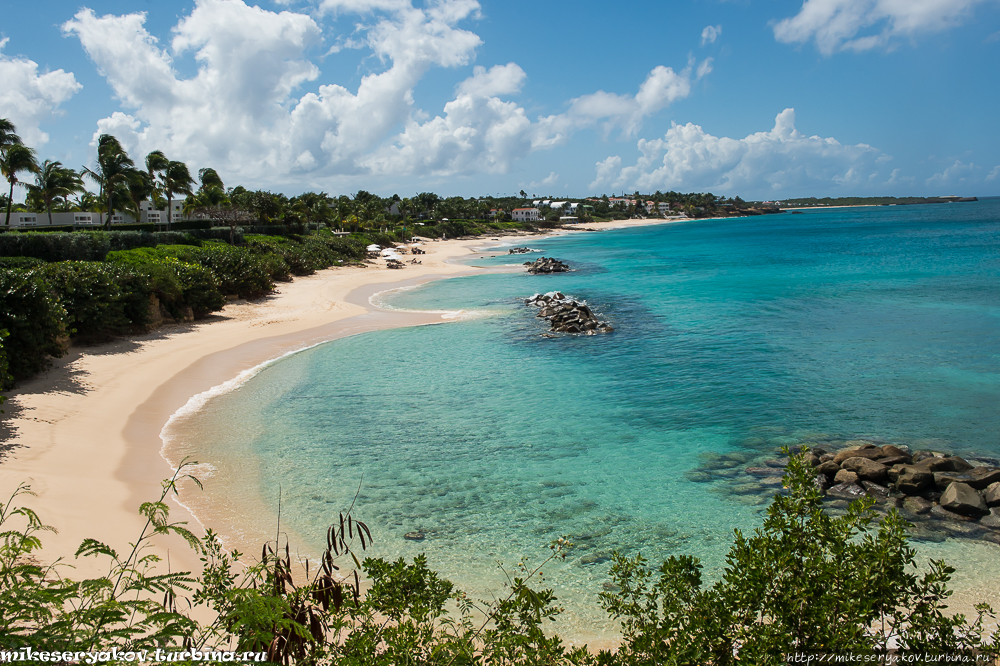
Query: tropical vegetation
{"points": [[805, 587]]}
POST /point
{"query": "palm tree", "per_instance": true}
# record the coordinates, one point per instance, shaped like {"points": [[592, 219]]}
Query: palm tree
{"points": [[14, 159], [176, 180], [8, 134], [138, 188], [156, 164], [209, 177], [112, 172], [55, 181]]}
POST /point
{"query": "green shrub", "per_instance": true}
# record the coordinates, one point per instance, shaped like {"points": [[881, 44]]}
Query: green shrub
{"points": [[346, 248], [805, 583], [299, 258], [101, 299], [34, 320], [24, 263], [239, 270], [86, 246], [126, 240], [175, 238], [199, 288], [177, 284], [218, 233]]}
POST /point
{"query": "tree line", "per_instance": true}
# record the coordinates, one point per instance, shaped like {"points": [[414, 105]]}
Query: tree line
{"points": [[122, 185]]}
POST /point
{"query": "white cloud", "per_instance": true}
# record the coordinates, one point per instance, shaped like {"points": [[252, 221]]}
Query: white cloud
{"points": [[704, 69], [252, 111], [782, 160], [481, 132], [955, 174], [240, 112], [710, 33], [548, 181], [28, 98], [859, 25], [994, 174], [607, 171]]}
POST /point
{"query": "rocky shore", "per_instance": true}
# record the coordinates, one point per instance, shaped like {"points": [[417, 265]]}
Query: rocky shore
{"points": [[943, 495], [546, 265], [521, 250], [567, 315]]}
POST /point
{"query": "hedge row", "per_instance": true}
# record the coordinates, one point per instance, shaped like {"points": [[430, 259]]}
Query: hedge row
{"points": [[35, 320], [43, 306], [95, 285], [84, 245], [308, 254]]}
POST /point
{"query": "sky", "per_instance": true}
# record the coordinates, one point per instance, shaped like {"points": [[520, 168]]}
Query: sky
{"points": [[763, 99]]}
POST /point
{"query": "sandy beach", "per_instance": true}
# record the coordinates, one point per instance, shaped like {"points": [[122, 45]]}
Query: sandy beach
{"points": [[85, 435]]}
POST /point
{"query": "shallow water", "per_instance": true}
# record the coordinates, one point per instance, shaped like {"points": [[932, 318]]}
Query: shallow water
{"points": [[732, 337]]}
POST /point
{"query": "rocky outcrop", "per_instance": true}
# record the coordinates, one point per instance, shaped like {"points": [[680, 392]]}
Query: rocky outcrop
{"points": [[520, 250], [992, 494], [944, 496], [546, 265], [567, 315], [963, 499]]}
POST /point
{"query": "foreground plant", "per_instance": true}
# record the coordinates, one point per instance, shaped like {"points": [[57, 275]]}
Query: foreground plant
{"points": [[805, 586], [805, 583]]}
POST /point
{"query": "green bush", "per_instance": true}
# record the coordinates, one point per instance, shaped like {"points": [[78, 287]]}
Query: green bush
{"points": [[300, 258], [34, 320], [239, 270], [175, 283], [219, 234], [85, 246], [346, 248], [126, 240], [24, 263], [805, 583], [78, 246], [101, 299], [175, 238], [199, 288]]}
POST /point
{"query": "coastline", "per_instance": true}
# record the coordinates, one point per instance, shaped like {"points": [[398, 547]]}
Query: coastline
{"points": [[85, 435], [95, 419]]}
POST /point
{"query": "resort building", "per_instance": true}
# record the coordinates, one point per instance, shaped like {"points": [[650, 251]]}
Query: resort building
{"points": [[29, 220], [524, 215], [148, 214]]}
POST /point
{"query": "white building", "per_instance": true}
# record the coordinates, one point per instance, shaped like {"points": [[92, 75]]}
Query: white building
{"points": [[36, 220], [150, 215], [524, 215]]}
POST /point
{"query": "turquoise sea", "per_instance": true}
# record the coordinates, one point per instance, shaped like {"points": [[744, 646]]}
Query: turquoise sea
{"points": [[732, 337]]}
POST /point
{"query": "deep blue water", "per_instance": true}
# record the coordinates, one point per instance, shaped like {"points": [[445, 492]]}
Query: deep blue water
{"points": [[732, 337]]}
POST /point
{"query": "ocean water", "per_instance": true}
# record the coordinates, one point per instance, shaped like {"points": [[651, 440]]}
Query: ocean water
{"points": [[733, 338]]}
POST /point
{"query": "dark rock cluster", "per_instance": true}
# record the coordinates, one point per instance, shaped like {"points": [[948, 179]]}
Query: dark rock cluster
{"points": [[567, 315], [520, 250], [546, 265], [943, 495]]}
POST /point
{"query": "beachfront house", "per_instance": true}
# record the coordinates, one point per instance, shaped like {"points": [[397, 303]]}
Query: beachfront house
{"points": [[524, 215]]}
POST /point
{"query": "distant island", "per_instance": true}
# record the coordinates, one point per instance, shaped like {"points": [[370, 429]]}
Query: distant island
{"points": [[868, 201]]}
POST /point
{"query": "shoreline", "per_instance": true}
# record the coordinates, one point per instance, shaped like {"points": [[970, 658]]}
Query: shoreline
{"points": [[85, 435], [91, 426]]}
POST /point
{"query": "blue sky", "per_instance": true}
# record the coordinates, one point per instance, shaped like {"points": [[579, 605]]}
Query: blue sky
{"points": [[758, 98]]}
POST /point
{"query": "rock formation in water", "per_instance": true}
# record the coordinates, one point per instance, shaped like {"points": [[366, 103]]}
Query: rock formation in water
{"points": [[546, 265], [567, 315]]}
